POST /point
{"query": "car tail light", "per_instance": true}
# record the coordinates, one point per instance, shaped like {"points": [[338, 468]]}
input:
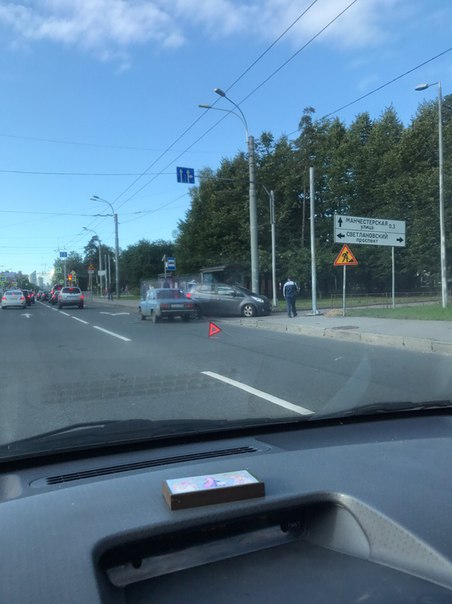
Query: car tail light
{"points": [[22, 298], [3, 297], [188, 295]]}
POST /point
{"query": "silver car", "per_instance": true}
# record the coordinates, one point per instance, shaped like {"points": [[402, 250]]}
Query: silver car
{"points": [[222, 300], [71, 296], [13, 298], [165, 302]]}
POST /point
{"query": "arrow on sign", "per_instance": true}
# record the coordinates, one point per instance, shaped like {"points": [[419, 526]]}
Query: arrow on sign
{"points": [[399, 239], [340, 235], [339, 222], [213, 329]]}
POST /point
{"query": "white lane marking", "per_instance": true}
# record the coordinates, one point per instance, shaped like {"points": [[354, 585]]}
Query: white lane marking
{"points": [[260, 393], [66, 314], [113, 314], [80, 320], [110, 333], [26, 315]]}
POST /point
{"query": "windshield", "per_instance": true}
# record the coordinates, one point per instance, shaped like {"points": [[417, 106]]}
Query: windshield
{"points": [[285, 164]]}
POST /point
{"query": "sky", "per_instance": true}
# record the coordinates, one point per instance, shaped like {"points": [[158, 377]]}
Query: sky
{"points": [[100, 97]]}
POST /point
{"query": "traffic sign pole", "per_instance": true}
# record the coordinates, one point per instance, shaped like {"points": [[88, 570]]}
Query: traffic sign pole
{"points": [[344, 279]]}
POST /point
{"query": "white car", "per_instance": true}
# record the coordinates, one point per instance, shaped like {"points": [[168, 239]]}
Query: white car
{"points": [[71, 296], [14, 298]]}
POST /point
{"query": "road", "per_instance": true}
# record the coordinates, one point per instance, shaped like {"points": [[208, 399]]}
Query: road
{"points": [[63, 367]]}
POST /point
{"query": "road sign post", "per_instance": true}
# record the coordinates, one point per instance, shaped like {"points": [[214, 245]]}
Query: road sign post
{"points": [[345, 258], [171, 264], [361, 230]]}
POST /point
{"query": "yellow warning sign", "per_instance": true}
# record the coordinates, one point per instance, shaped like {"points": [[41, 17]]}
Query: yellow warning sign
{"points": [[345, 257]]}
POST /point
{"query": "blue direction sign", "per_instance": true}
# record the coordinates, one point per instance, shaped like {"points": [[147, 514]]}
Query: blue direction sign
{"points": [[171, 264], [63, 254], [185, 175]]}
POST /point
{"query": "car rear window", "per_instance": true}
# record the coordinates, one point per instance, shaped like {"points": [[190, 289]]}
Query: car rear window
{"points": [[170, 293], [70, 290]]}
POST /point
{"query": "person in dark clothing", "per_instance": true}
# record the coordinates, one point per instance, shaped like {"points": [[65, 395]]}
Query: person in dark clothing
{"points": [[290, 291]]}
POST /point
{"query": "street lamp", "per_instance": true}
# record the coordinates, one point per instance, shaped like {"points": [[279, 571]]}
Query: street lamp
{"points": [[441, 192], [100, 257], [115, 218], [252, 191]]}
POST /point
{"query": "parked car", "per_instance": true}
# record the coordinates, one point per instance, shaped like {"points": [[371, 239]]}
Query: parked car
{"points": [[221, 299], [166, 302], [14, 298], [71, 296]]}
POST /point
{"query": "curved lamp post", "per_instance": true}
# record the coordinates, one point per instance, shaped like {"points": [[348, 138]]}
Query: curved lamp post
{"points": [[442, 227], [100, 256], [252, 190], [115, 218]]}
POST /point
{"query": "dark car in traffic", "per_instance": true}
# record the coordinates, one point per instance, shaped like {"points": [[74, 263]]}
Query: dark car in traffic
{"points": [[165, 302], [222, 299], [53, 296], [29, 296]]}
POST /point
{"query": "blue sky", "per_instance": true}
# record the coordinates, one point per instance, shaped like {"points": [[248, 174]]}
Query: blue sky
{"points": [[96, 93]]}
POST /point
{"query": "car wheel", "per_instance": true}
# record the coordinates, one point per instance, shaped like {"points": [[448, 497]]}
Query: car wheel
{"points": [[60, 306], [155, 317], [196, 314], [248, 310], [142, 317], [185, 317], [80, 305]]}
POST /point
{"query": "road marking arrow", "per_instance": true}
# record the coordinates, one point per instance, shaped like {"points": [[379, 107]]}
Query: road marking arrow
{"points": [[26, 315]]}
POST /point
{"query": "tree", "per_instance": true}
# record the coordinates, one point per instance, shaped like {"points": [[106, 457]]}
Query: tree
{"points": [[143, 260]]}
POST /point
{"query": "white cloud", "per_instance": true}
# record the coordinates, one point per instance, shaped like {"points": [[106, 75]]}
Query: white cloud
{"points": [[109, 28]]}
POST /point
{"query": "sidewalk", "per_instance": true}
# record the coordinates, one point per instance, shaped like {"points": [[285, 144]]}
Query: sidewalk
{"points": [[420, 336]]}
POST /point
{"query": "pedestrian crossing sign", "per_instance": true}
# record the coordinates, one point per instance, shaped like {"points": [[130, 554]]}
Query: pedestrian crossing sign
{"points": [[345, 257]]}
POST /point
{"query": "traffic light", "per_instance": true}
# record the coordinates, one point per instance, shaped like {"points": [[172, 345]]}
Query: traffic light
{"points": [[69, 277]]}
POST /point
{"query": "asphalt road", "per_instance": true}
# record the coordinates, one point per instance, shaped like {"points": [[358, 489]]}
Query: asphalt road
{"points": [[64, 367]]}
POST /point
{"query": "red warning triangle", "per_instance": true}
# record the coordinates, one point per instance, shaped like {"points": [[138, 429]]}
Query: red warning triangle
{"points": [[345, 257], [213, 329]]}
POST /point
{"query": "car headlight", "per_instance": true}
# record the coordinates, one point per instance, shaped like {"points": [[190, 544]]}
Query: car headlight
{"points": [[260, 300]]}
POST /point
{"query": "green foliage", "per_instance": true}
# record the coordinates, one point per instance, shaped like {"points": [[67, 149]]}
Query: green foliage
{"points": [[373, 167], [143, 260]]}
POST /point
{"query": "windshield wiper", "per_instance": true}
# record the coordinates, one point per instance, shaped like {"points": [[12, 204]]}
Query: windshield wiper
{"points": [[384, 408]]}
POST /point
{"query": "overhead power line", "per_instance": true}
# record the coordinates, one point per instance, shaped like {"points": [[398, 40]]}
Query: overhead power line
{"points": [[378, 88], [259, 58], [42, 173]]}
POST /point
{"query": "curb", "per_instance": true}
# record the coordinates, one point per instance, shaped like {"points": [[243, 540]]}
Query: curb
{"points": [[390, 341]]}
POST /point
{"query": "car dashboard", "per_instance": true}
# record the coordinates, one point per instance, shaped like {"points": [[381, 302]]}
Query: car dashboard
{"points": [[354, 511]]}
